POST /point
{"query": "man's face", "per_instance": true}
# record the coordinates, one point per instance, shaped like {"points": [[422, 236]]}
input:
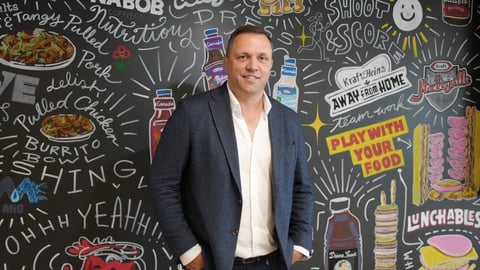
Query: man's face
{"points": [[248, 64]]}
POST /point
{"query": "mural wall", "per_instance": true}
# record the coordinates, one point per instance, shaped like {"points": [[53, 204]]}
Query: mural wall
{"points": [[387, 92]]}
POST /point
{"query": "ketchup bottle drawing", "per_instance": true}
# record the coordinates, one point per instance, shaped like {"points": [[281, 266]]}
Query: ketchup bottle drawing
{"points": [[343, 242], [164, 105]]}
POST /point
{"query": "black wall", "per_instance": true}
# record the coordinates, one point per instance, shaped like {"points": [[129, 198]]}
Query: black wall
{"points": [[362, 66]]}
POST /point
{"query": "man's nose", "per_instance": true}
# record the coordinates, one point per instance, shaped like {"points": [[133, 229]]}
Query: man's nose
{"points": [[252, 64]]}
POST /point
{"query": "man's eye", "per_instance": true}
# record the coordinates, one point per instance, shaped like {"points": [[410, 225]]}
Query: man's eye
{"points": [[242, 57]]}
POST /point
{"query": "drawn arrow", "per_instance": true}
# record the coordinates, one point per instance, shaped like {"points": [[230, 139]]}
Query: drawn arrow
{"points": [[409, 143]]}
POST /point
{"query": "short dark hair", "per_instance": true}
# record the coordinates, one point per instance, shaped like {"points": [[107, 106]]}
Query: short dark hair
{"points": [[250, 29]]}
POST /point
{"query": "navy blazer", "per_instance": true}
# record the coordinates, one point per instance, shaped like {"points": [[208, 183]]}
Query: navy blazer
{"points": [[195, 180]]}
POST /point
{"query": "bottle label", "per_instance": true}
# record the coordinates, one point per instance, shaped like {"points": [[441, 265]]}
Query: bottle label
{"points": [[216, 75], [343, 259], [289, 71], [213, 43], [456, 10], [164, 103], [287, 95]]}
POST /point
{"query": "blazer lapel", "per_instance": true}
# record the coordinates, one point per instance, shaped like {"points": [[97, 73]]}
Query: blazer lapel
{"points": [[222, 117], [278, 143]]}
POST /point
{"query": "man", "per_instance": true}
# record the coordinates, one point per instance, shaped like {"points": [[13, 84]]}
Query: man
{"points": [[229, 180]]}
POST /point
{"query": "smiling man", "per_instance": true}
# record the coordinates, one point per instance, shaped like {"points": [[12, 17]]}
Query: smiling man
{"points": [[229, 180]]}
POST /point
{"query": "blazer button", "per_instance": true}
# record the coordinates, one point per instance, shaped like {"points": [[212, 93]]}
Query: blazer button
{"points": [[239, 202], [234, 232]]}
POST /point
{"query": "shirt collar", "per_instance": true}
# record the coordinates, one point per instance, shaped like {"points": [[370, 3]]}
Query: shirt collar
{"points": [[237, 110]]}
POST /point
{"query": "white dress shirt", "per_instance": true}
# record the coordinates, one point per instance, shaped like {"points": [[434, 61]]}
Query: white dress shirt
{"points": [[255, 236]]}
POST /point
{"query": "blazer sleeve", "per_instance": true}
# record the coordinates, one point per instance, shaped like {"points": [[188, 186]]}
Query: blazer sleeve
{"points": [[302, 202], [292, 188], [165, 180]]}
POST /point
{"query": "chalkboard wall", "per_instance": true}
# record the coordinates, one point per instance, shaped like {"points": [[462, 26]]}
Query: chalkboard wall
{"points": [[387, 95]]}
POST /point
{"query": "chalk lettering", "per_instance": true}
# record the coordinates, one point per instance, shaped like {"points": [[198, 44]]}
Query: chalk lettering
{"points": [[101, 72], [442, 217], [393, 107], [87, 105], [383, 163], [425, 87], [8, 7], [347, 9], [203, 15], [126, 14], [364, 74], [347, 99], [51, 20], [33, 144], [181, 4], [24, 168], [73, 81], [354, 34], [391, 82], [154, 7], [42, 109], [345, 121], [4, 114], [373, 150], [144, 34], [23, 87], [88, 34], [124, 168]]}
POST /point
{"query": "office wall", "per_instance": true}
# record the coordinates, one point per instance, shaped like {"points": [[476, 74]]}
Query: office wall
{"points": [[387, 96]]}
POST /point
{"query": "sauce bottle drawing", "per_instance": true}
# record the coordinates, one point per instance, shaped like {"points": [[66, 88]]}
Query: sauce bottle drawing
{"points": [[286, 89], [457, 12], [343, 242], [164, 105], [215, 72]]}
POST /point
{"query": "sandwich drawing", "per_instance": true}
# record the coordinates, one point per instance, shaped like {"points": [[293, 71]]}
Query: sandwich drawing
{"points": [[448, 252], [446, 165]]}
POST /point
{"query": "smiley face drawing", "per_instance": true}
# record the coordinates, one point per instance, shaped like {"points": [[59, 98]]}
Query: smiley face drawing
{"points": [[407, 14]]}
